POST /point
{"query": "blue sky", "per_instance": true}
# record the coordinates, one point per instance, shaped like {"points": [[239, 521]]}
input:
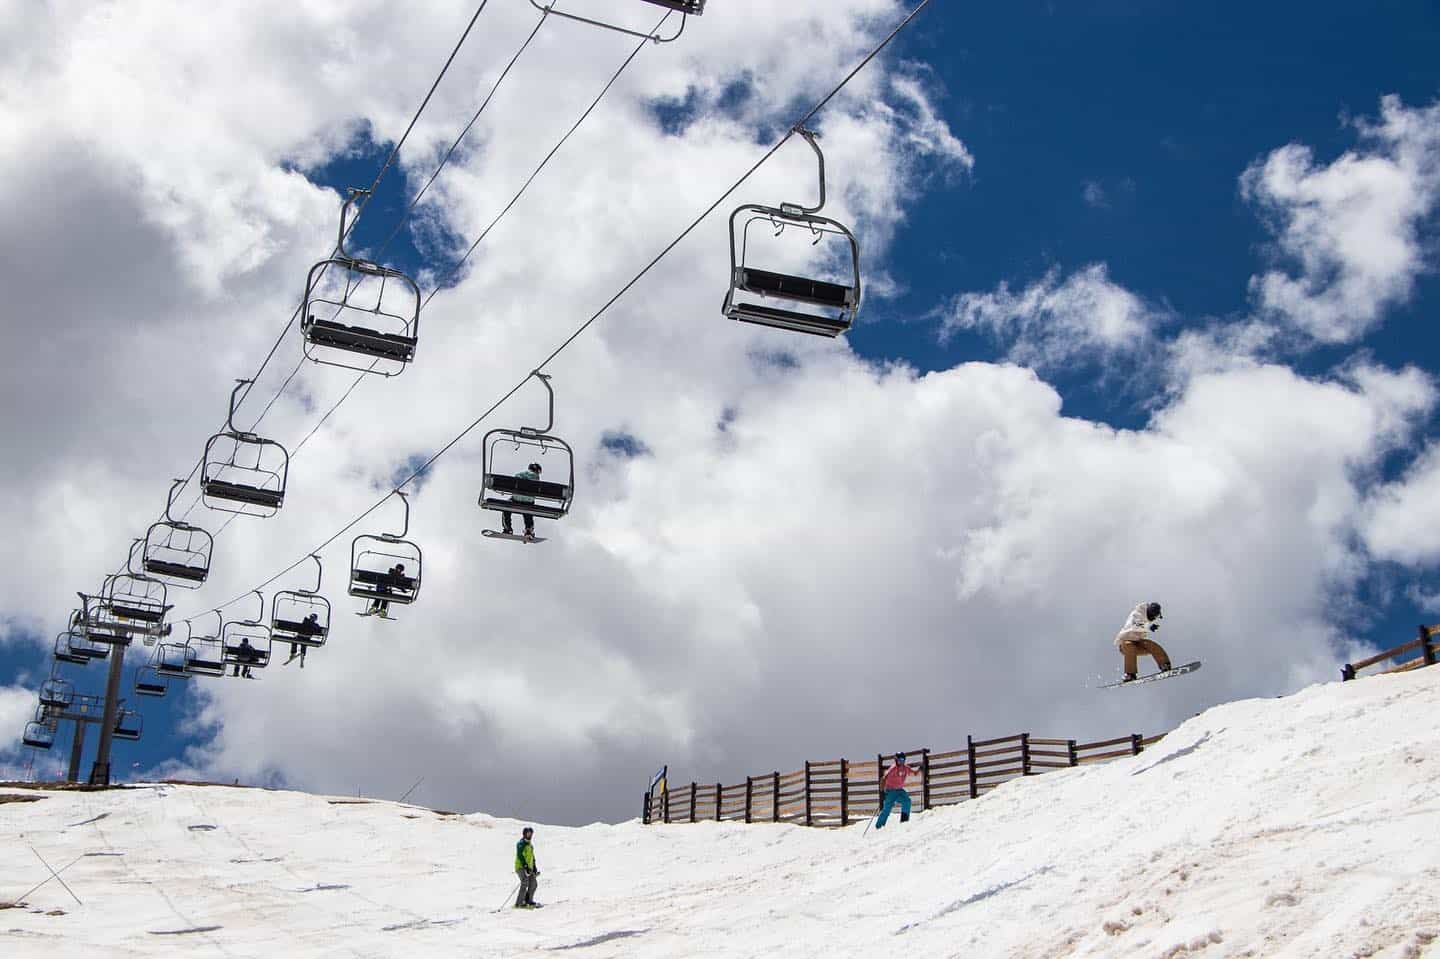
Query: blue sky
{"points": [[1101, 134]]}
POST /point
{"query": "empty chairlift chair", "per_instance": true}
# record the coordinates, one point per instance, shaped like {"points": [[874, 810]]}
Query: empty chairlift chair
{"points": [[176, 552], [246, 643], [72, 647], [138, 603], [686, 9], [509, 485], [128, 725], [172, 660], [301, 617], [149, 682], [57, 693], [205, 655], [242, 472], [783, 299], [357, 314], [39, 735], [386, 568], [102, 625]]}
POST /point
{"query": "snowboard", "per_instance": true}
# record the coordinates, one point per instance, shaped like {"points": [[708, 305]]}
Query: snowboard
{"points": [[1177, 671], [497, 534]]}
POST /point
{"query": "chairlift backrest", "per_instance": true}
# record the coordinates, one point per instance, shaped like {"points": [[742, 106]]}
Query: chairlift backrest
{"points": [[128, 724], [357, 314], [39, 735], [506, 453]]}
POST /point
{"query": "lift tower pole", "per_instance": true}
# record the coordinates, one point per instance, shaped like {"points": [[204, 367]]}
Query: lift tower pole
{"points": [[100, 772]]}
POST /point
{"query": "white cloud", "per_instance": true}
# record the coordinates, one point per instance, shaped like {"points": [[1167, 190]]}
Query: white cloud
{"points": [[1349, 230], [1094, 195], [1402, 516], [1052, 321], [815, 554]]}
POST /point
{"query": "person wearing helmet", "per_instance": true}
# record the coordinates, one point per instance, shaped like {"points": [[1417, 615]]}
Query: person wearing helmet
{"points": [[531, 472], [1133, 640], [895, 793], [526, 869]]}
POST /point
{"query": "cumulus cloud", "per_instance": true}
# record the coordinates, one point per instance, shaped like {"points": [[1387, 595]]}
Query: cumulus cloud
{"points": [[813, 553], [1056, 320], [1347, 233], [1401, 516]]}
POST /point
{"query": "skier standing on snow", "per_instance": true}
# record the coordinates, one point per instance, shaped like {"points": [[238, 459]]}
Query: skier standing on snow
{"points": [[1133, 640], [895, 791], [526, 870]]}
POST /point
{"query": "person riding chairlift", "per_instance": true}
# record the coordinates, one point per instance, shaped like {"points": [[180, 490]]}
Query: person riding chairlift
{"points": [[532, 472]]}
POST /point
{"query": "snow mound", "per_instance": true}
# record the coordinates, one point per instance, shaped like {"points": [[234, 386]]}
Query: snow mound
{"points": [[1303, 826]]}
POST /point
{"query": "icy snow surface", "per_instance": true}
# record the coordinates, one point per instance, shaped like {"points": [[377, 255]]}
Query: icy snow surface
{"points": [[1304, 826]]}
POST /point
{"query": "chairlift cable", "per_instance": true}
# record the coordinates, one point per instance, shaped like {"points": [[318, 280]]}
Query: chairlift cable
{"points": [[374, 184], [595, 317]]}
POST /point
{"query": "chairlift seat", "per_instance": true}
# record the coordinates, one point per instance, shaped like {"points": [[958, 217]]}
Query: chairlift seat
{"points": [[360, 339], [792, 320], [150, 689], [524, 509], [171, 670], [128, 733], [803, 289], [144, 614], [191, 574], [38, 737], [300, 632], [391, 588], [250, 495], [694, 7], [205, 667], [73, 659]]}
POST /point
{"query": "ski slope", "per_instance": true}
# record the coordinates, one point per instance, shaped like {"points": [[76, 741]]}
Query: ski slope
{"points": [[1303, 826]]}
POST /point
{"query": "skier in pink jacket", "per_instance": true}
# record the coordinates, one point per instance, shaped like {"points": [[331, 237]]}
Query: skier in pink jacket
{"points": [[894, 784]]}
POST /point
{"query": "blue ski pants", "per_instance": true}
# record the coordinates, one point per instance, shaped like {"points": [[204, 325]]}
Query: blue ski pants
{"points": [[892, 797]]}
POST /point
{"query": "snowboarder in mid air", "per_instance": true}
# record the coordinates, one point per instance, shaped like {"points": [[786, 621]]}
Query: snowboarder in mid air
{"points": [[1134, 640], [525, 868], [895, 791]]}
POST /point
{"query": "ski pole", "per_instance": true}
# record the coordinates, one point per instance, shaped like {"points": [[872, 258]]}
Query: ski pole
{"points": [[868, 823], [507, 898]]}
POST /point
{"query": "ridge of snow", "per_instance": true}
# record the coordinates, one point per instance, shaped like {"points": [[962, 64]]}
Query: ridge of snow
{"points": [[1302, 826]]}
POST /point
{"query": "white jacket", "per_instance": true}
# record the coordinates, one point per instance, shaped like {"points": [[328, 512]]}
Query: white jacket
{"points": [[1137, 625]]}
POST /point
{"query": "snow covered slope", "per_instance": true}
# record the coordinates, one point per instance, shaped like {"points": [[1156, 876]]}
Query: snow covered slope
{"points": [[1304, 826]]}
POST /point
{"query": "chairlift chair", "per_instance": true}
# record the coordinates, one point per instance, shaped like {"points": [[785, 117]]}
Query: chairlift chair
{"points": [[175, 551], [357, 314], [57, 693], [172, 661], [237, 634], [68, 650], [242, 472], [149, 682], [102, 625], [137, 602], [373, 562], [803, 304], [503, 491], [291, 611], [686, 9], [39, 735], [128, 725], [204, 655]]}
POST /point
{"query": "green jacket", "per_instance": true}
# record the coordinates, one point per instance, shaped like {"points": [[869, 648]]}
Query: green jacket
{"points": [[524, 855], [525, 475]]}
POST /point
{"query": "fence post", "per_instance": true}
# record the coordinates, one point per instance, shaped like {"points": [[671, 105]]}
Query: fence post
{"points": [[924, 779], [1024, 754], [692, 800], [717, 802], [844, 792], [1074, 753], [749, 795], [775, 802], [645, 816], [807, 792], [1347, 673], [667, 802], [1427, 646], [970, 749], [1135, 746]]}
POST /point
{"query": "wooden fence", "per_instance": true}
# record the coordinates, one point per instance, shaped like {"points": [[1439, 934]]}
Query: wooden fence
{"points": [[838, 792], [1425, 642]]}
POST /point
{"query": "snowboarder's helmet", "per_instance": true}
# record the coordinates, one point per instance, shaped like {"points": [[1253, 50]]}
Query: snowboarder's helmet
{"points": [[900, 757], [527, 832], [535, 467], [1152, 611]]}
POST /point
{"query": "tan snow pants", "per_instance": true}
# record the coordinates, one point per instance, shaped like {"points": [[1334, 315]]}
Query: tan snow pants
{"points": [[1132, 649]]}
